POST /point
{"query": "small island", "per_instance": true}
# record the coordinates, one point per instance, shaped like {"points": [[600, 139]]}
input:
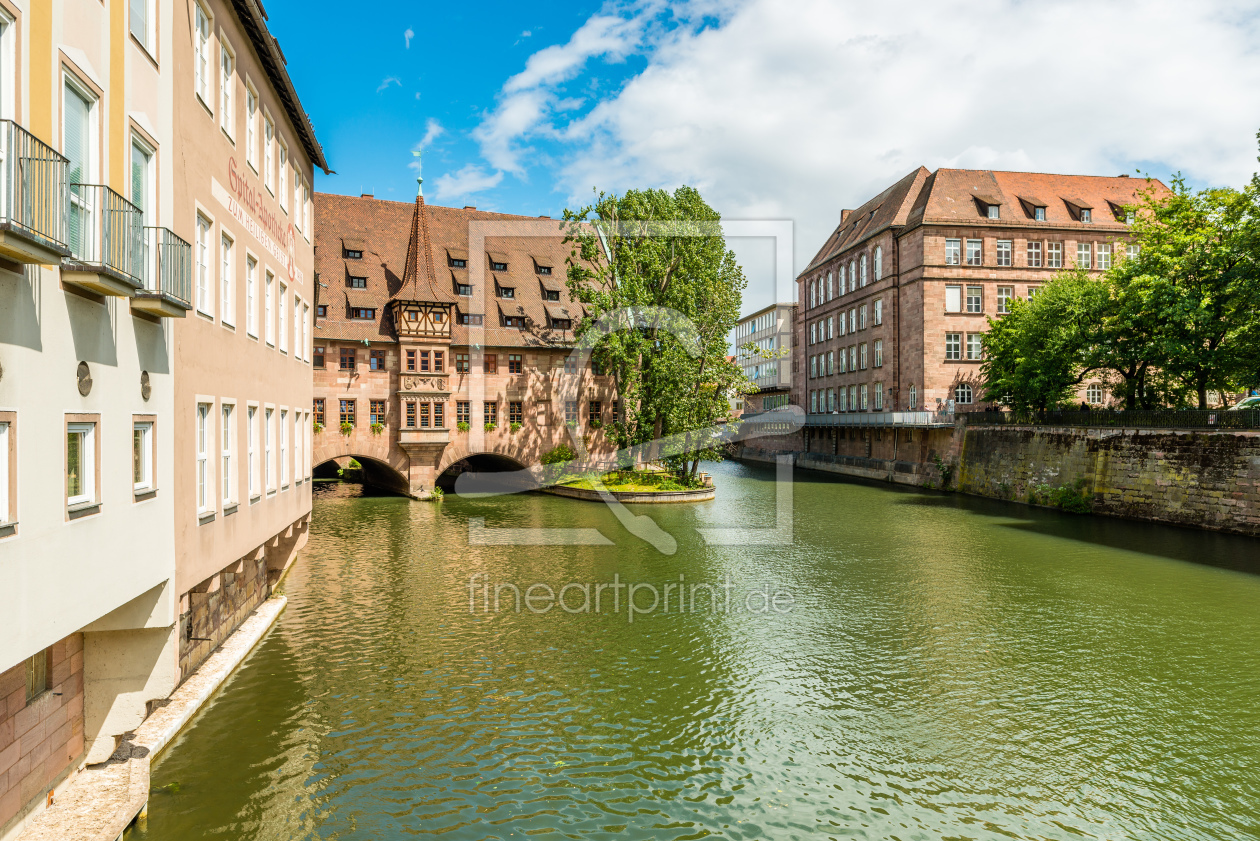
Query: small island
{"points": [[650, 485]]}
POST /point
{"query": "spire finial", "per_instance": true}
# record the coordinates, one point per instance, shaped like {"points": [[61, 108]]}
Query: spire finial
{"points": [[419, 179]]}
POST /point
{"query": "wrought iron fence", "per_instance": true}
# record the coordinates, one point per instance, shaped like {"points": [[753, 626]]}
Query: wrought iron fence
{"points": [[167, 262], [33, 185], [106, 231], [1135, 418]]}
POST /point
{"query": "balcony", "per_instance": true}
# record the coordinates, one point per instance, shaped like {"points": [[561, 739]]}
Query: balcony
{"points": [[167, 275], [33, 198], [106, 242]]}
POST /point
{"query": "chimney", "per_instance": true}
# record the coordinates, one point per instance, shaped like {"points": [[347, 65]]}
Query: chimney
{"points": [[1123, 175], [470, 207], [844, 214], [366, 196], [543, 216]]}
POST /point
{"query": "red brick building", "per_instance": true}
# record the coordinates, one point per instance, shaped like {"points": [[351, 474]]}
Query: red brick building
{"points": [[442, 342], [893, 306]]}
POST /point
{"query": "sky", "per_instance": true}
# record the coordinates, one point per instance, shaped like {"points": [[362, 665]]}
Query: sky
{"points": [[773, 109]]}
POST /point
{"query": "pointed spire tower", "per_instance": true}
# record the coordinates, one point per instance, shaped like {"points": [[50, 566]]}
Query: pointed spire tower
{"points": [[422, 308]]}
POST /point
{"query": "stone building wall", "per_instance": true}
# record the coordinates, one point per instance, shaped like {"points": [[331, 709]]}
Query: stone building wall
{"points": [[1205, 480], [42, 739], [217, 606]]}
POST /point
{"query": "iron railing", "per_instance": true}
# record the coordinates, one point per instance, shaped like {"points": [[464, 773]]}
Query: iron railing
{"points": [[33, 186], [167, 264], [106, 231], [1135, 418], [881, 419]]}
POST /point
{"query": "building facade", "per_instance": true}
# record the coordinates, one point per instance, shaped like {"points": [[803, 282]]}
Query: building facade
{"points": [[770, 330], [443, 342], [124, 130], [894, 305]]}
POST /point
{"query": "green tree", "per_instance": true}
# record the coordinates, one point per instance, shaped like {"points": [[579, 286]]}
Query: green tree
{"points": [[1037, 355], [1195, 283], [655, 249]]}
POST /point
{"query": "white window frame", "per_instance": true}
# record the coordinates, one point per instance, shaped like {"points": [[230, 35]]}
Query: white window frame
{"points": [[1004, 296], [297, 326], [879, 353], [953, 252], [1033, 254], [145, 428], [148, 203], [87, 459], [862, 270], [1085, 255], [283, 345], [284, 449], [282, 174], [251, 126], [227, 440], [202, 434], [306, 332], [878, 317], [975, 246], [227, 261], [204, 292], [251, 295], [6, 515], [953, 346], [201, 54], [1054, 255], [251, 443], [268, 312], [227, 88], [975, 346], [1005, 252], [977, 298], [953, 297], [146, 37], [1103, 256], [269, 472], [268, 139], [879, 262]]}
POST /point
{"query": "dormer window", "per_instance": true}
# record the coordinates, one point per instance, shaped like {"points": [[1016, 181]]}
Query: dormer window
{"points": [[362, 313], [514, 321], [472, 319], [1086, 214], [561, 324], [463, 289], [995, 211], [1039, 214], [358, 283], [544, 270], [552, 295], [507, 292], [351, 255], [498, 267], [437, 318], [458, 264]]}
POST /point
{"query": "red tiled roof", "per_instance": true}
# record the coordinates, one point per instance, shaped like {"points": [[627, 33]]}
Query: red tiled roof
{"points": [[961, 196], [386, 228]]}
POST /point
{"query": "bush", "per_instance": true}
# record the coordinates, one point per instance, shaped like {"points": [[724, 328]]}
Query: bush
{"points": [[558, 455], [378, 428], [462, 426], [437, 494], [596, 423], [346, 427]]}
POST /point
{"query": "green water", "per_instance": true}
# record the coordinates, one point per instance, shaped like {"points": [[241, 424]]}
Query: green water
{"points": [[951, 669]]}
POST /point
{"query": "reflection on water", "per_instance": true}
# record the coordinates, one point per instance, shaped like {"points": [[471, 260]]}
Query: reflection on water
{"points": [[952, 668]]}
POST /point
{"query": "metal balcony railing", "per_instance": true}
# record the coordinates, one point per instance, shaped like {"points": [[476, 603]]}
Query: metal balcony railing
{"points": [[167, 265], [105, 232], [33, 186]]}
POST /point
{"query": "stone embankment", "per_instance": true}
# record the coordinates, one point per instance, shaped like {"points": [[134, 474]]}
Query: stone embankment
{"points": [[1197, 478]]}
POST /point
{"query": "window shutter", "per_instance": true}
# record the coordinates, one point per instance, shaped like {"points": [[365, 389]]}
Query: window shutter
{"points": [[953, 299]]}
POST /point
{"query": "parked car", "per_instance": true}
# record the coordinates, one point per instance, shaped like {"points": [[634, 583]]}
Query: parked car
{"points": [[1246, 403]]}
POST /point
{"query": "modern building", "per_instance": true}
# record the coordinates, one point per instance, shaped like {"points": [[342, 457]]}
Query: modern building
{"points": [[155, 168], [894, 305], [443, 341], [770, 367]]}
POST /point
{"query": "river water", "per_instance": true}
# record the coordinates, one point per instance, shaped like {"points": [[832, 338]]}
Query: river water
{"points": [[948, 668]]}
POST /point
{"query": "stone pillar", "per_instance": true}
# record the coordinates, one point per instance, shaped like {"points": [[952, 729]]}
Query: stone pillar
{"points": [[422, 466]]}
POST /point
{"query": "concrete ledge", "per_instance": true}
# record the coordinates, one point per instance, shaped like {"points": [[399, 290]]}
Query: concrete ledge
{"points": [[102, 800], [701, 495]]}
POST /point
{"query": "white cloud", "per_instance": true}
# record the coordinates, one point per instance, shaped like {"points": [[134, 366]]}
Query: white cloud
{"points": [[407, 36], [795, 112], [526, 34], [471, 179], [527, 100], [387, 81]]}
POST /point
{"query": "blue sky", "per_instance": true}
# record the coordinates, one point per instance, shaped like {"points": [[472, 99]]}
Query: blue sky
{"points": [[773, 110]]}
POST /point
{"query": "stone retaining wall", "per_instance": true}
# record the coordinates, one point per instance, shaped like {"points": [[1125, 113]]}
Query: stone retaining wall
{"points": [[1202, 479], [700, 495]]}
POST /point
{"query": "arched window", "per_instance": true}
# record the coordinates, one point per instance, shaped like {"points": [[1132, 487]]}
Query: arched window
{"points": [[879, 262], [813, 293], [863, 262], [962, 393], [914, 397], [852, 276], [829, 287]]}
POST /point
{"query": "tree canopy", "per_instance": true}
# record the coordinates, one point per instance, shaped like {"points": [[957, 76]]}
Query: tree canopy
{"points": [[659, 260]]}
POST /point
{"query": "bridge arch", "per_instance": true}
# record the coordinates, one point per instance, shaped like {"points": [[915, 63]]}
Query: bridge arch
{"points": [[377, 473]]}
